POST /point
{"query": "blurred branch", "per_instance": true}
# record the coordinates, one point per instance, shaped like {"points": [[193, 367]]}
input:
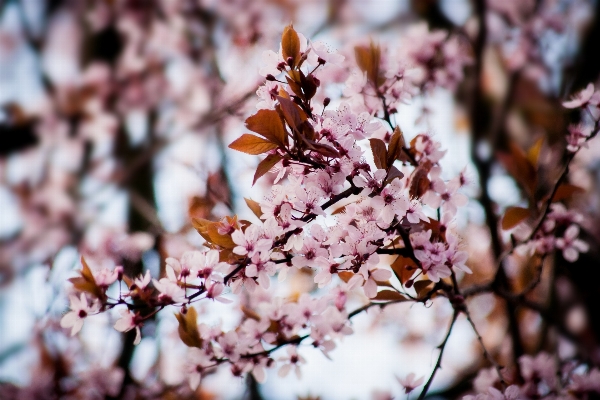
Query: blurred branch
{"points": [[438, 363]]}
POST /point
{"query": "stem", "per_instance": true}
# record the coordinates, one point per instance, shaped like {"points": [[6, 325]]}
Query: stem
{"points": [[438, 364]]}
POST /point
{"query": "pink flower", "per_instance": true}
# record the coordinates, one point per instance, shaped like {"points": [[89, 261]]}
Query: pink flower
{"points": [[127, 322], [142, 281], [249, 242], [214, 290], [409, 383], [262, 269], [170, 292], [292, 360], [581, 98], [372, 276], [578, 135], [570, 245], [105, 277], [79, 311]]}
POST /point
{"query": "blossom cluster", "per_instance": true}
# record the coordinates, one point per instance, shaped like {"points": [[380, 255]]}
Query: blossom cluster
{"points": [[541, 377], [349, 191]]}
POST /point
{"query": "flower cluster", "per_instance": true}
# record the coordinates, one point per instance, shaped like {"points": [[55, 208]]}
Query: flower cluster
{"points": [[350, 194], [541, 377]]}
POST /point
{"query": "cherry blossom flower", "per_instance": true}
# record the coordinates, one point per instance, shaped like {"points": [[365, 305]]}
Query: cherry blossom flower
{"points": [[570, 245], [170, 292], [410, 382], [249, 242], [80, 309], [581, 98], [291, 361], [578, 135], [143, 280], [127, 322]]}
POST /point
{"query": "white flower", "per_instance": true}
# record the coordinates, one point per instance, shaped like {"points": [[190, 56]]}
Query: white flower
{"points": [[79, 311], [127, 322]]}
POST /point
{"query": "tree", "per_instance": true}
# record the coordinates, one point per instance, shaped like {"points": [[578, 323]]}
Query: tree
{"points": [[356, 200]]}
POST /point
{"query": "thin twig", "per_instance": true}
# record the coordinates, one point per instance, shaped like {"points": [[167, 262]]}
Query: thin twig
{"points": [[438, 363]]}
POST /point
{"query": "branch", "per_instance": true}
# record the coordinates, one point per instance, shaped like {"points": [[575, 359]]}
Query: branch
{"points": [[438, 364]]}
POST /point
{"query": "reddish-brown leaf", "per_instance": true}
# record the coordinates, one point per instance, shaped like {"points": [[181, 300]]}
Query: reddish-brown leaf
{"points": [[514, 216], [251, 144], [209, 231], [533, 154], [86, 282], [379, 153], [565, 191], [268, 124], [395, 148], [293, 115], [345, 275], [419, 182], [325, 150], [254, 206], [188, 328], [368, 60], [404, 268], [249, 313], [265, 166], [422, 287], [520, 168], [393, 173], [290, 44], [295, 86], [389, 295]]}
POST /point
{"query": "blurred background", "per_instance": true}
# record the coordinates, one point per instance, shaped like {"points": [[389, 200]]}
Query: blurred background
{"points": [[115, 116]]}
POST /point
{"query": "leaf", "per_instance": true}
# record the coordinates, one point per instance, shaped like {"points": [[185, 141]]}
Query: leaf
{"points": [[421, 287], [209, 231], [325, 150], [396, 145], [249, 313], [86, 282], [188, 328], [345, 275], [251, 144], [268, 124], [254, 206], [368, 60], [514, 216], [389, 295], [379, 153], [339, 210], [309, 85], [419, 182], [295, 86], [565, 191], [404, 268], [393, 173], [520, 168], [293, 115], [265, 166], [533, 154], [290, 44]]}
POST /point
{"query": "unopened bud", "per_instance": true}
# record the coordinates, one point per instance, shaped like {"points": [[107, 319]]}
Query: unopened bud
{"points": [[321, 61], [409, 283], [281, 66], [119, 271], [183, 310], [290, 62], [326, 101], [270, 77]]}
